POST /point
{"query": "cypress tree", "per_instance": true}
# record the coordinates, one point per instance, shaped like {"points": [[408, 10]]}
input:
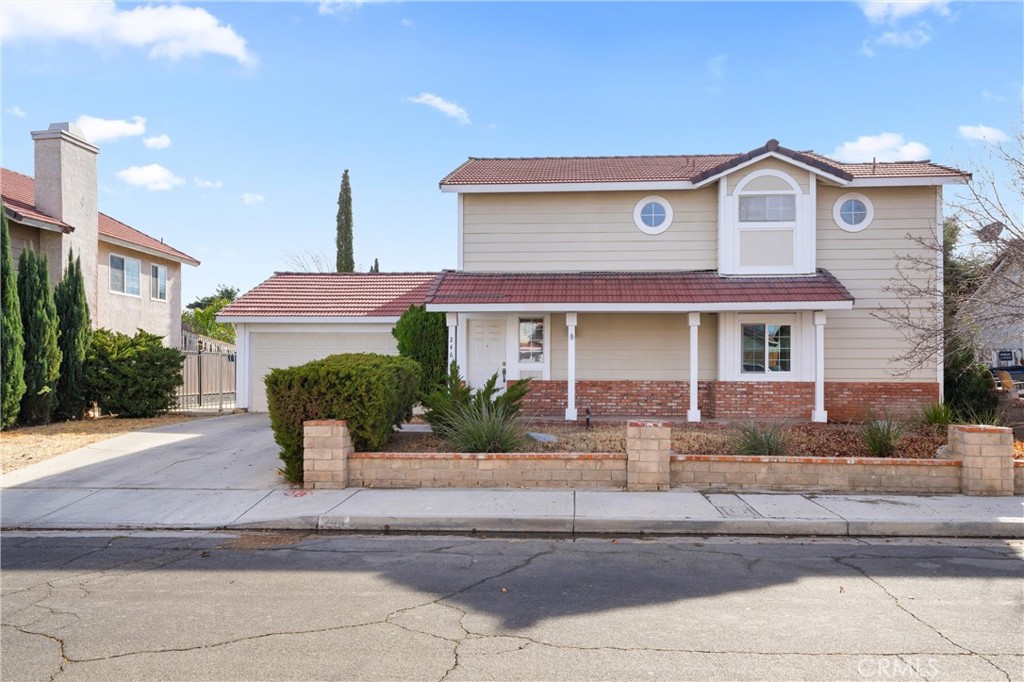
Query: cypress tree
{"points": [[346, 258], [42, 354], [375, 267], [75, 335], [12, 340]]}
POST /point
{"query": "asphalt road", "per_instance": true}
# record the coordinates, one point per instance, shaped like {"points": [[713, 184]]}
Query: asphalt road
{"points": [[279, 606]]}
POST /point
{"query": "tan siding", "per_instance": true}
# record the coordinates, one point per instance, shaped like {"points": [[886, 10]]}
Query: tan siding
{"points": [[21, 238], [577, 231], [766, 248], [858, 345]]}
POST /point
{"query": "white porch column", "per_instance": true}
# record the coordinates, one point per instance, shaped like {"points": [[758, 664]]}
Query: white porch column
{"points": [[570, 384], [453, 327], [819, 414], [693, 414]]}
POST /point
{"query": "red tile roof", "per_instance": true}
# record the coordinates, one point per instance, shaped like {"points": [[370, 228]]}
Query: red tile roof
{"points": [[706, 286], [19, 196], [684, 168], [333, 294]]}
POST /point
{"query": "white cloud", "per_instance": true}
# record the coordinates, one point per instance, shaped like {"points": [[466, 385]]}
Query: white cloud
{"points": [[252, 199], [450, 109], [157, 142], [338, 6], [986, 95], [153, 177], [716, 66], [883, 147], [891, 11], [406, 22], [912, 39], [16, 111], [168, 31], [103, 129], [208, 184], [980, 133]]}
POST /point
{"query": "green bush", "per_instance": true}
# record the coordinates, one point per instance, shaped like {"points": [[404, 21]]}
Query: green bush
{"points": [[12, 334], [75, 334], [445, 405], [968, 385], [482, 426], [937, 415], [881, 436], [132, 376], [423, 337], [39, 324], [373, 393], [755, 439]]}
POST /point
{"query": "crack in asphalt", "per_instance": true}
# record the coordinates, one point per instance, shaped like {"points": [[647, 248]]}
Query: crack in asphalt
{"points": [[899, 604]]}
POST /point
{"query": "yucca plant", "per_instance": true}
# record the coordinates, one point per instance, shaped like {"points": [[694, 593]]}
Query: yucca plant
{"points": [[882, 436], [756, 439], [982, 416], [936, 416], [482, 426]]}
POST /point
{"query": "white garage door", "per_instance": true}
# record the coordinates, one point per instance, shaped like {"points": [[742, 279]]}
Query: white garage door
{"points": [[271, 350]]}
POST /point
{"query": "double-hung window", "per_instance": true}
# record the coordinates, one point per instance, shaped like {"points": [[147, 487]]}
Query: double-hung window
{"points": [[158, 282], [531, 340], [125, 275]]}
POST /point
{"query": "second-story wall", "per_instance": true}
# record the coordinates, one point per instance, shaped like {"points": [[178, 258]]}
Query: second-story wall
{"points": [[126, 313], [581, 231]]}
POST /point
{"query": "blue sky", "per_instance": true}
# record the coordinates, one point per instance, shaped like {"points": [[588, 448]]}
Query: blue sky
{"points": [[224, 127]]}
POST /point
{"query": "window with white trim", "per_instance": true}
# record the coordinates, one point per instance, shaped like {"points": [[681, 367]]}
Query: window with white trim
{"points": [[531, 340], [125, 275], [652, 215], [158, 282], [767, 348], [853, 212]]}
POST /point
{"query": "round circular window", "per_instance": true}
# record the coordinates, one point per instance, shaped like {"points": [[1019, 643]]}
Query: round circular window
{"points": [[853, 212], [652, 215]]}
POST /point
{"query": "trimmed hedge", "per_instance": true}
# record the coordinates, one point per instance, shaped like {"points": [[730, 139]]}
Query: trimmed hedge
{"points": [[373, 393], [133, 376]]}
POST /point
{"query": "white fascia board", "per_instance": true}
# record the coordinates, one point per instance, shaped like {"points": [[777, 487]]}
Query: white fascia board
{"points": [[928, 181], [781, 157], [283, 319], [638, 307], [570, 187], [146, 250]]}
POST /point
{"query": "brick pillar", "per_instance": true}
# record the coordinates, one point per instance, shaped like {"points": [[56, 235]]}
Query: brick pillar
{"points": [[647, 450], [986, 453], [327, 446]]}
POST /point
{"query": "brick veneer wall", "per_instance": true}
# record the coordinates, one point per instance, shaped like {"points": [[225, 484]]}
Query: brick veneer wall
{"points": [[824, 474], [731, 399]]}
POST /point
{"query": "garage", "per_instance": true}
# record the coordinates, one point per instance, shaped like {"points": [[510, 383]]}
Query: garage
{"points": [[293, 318]]}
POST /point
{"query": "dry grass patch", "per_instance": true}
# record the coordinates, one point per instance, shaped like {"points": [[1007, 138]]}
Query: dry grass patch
{"points": [[27, 445]]}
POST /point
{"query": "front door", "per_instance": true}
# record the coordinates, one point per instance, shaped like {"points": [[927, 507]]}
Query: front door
{"points": [[486, 351]]}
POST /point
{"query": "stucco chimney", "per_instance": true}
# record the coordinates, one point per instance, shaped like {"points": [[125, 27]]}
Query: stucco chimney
{"points": [[66, 189]]}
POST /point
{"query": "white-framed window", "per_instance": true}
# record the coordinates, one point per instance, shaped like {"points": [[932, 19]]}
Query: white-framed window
{"points": [[125, 275], [531, 340], [853, 212], [652, 215], [766, 224], [158, 282], [767, 348]]}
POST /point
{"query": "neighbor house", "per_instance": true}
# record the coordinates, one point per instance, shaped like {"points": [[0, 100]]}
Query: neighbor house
{"points": [[132, 280], [700, 286], [995, 312]]}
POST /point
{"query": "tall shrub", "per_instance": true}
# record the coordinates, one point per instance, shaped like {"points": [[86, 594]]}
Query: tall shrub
{"points": [[75, 336], [423, 337], [373, 393], [42, 354], [345, 258], [967, 381], [12, 339], [133, 376]]}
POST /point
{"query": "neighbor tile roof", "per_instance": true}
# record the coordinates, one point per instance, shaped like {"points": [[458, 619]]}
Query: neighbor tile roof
{"points": [[19, 196], [705, 286], [684, 168], [333, 294]]}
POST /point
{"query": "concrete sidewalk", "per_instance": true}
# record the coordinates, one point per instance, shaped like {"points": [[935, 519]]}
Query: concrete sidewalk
{"points": [[220, 474]]}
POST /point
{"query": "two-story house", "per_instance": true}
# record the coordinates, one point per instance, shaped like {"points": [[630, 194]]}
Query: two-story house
{"points": [[730, 285], [703, 286], [132, 280]]}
